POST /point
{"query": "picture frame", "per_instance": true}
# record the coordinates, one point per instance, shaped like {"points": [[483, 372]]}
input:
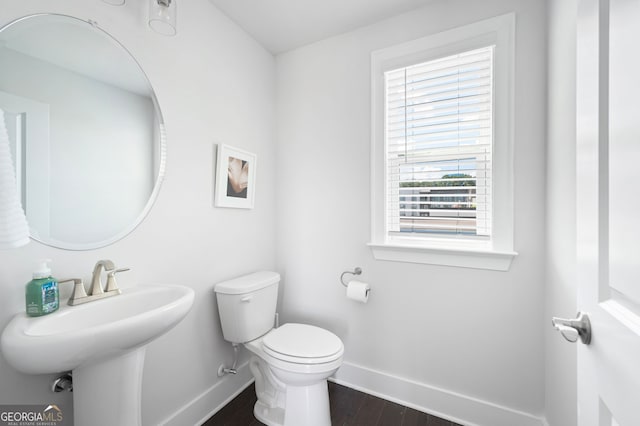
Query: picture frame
{"points": [[235, 178]]}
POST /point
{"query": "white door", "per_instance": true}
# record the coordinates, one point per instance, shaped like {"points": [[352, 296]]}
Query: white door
{"points": [[608, 210]]}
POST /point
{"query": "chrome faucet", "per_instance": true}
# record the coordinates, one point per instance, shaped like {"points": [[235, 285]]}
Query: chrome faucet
{"points": [[96, 290]]}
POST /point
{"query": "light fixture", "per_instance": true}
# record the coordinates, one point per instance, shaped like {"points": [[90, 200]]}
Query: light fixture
{"points": [[115, 2], [14, 231], [162, 16]]}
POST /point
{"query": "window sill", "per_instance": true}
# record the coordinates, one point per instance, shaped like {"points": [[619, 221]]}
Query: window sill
{"points": [[471, 257]]}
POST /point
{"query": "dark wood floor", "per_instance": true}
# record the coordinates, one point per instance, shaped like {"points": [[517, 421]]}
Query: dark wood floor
{"points": [[348, 407]]}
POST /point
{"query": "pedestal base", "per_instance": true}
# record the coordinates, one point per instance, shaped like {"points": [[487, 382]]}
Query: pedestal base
{"points": [[108, 393]]}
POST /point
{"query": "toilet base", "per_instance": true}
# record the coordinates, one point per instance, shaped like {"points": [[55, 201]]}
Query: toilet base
{"points": [[306, 405], [270, 416]]}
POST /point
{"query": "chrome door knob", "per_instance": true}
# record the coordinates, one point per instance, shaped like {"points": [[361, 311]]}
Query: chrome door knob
{"points": [[572, 329]]}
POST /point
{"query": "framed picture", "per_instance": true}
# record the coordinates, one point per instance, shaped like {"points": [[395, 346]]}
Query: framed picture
{"points": [[235, 178]]}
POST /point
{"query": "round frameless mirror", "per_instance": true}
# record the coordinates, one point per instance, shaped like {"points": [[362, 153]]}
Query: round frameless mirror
{"points": [[85, 129]]}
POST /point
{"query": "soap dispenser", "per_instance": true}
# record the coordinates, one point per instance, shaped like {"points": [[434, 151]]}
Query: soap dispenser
{"points": [[41, 293]]}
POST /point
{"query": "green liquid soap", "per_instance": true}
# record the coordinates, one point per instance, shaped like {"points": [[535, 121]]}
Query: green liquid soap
{"points": [[41, 293]]}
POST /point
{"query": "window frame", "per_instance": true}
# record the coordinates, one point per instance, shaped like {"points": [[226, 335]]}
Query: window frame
{"points": [[497, 252]]}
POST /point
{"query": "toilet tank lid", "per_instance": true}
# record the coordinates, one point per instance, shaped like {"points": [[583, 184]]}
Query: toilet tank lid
{"points": [[248, 283]]}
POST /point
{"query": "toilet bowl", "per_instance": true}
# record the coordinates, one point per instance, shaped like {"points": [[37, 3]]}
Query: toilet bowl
{"points": [[290, 363]]}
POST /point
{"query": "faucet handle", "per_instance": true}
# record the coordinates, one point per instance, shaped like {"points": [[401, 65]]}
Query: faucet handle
{"points": [[78, 290], [111, 280]]}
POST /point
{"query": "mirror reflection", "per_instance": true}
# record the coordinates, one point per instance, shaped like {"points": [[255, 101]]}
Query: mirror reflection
{"points": [[85, 128]]}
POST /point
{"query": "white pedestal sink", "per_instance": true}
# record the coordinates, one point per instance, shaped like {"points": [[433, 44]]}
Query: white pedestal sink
{"points": [[103, 343]]}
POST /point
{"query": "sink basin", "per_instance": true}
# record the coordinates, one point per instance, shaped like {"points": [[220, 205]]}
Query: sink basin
{"points": [[103, 343], [77, 335]]}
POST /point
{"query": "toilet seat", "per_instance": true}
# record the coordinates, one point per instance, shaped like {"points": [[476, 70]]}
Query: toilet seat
{"points": [[302, 344]]}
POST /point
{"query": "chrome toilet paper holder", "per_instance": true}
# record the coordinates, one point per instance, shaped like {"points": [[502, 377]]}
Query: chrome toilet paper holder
{"points": [[356, 271]]}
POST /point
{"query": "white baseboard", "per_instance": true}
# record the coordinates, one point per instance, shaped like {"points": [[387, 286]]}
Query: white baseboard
{"points": [[216, 396], [448, 405]]}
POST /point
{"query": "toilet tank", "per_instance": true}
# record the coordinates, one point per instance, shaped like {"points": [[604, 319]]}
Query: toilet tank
{"points": [[247, 305]]}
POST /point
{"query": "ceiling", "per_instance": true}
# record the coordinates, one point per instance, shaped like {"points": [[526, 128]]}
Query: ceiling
{"points": [[282, 25]]}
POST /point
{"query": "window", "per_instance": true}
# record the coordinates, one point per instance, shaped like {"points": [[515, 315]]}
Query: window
{"points": [[438, 145], [441, 144]]}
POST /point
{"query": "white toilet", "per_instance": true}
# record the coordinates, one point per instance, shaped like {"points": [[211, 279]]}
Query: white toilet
{"points": [[291, 363]]}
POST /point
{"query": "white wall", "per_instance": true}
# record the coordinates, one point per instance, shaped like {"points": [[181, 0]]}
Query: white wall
{"points": [[214, 85], [464, 334], [560, 356]]}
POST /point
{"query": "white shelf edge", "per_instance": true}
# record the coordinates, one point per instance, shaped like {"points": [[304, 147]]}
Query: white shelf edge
{"points": [[494, 260]]}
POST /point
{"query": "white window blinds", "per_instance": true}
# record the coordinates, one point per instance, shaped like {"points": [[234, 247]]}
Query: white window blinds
{"points": [[438, 132]]}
